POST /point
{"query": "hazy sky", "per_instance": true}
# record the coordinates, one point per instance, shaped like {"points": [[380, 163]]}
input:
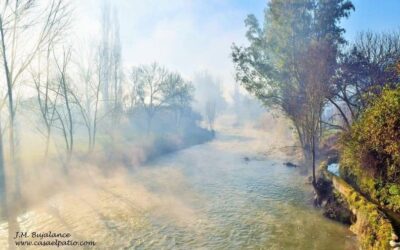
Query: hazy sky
{"points": [[194, 35]]}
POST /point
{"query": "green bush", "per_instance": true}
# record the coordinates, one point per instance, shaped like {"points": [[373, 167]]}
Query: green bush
{"points": [[370, 156]]}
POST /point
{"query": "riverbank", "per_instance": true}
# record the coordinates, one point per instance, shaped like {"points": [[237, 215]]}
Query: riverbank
{"points": [[46, 181], [372, 226], [114, 153]]}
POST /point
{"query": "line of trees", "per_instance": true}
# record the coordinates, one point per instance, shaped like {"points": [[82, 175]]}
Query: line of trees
{"points": [[70, 95], [154, 89], [26, 30], [299, 63]]}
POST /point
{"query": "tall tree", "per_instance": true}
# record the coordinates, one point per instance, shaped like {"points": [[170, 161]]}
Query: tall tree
{"points": [[110, 60], [268, 67], [273, 66]]}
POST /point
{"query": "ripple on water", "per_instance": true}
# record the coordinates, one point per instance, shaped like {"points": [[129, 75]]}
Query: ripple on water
{"points": [[205, 197]]}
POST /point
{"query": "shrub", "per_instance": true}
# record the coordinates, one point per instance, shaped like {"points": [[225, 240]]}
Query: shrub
{"points": [[370, 156], [376, 136]]}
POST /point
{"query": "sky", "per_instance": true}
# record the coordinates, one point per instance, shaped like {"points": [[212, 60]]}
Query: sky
{"points": [[190, 36], [373, 15]]}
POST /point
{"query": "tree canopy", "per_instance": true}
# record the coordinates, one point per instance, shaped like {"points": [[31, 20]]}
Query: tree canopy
{"points": [[292, 58]]}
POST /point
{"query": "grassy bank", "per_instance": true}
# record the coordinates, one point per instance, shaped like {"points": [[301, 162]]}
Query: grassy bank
{"points": [[372, 227]]}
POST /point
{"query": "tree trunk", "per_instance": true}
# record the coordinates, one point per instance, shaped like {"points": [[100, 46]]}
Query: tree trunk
{"points": [[3, 189], [11, 111], [313, 159], [46, 152]]}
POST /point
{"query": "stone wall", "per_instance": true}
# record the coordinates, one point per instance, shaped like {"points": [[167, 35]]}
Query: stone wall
{"points": [[372, 227]]}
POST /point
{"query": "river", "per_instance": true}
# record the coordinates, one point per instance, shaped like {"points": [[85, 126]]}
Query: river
{"points": [[208, 196]]}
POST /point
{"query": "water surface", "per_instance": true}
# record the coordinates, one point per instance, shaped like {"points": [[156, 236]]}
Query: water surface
{"points": [[224, 194]]}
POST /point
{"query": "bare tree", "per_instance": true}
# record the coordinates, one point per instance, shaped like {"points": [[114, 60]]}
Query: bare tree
{"points": [[90, 75], [63, 109], [25, 28], [46, 97], [365, 70], [155, 88], [149, 81], [18, 19]]}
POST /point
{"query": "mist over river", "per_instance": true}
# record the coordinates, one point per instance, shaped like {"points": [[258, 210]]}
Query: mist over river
{"points": [[208, 196]]}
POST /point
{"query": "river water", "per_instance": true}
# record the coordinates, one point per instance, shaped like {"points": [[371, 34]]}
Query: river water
{"points": [[209, 196]]}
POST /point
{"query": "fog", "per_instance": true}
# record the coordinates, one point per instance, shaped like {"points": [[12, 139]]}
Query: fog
{"points": [[123, 125], [186, 198], [93, 94]]}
